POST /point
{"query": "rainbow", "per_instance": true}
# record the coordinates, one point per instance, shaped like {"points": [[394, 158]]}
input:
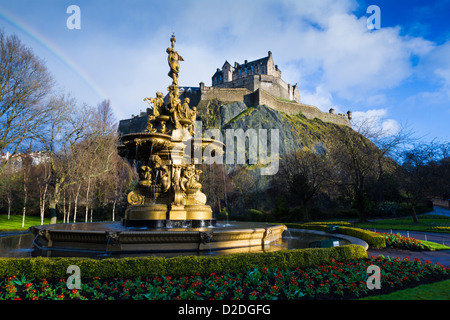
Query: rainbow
{"points": [[55, 51]]}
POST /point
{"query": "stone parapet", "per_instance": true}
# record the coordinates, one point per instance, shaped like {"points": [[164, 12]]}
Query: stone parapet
{"points": [[262, 97]]}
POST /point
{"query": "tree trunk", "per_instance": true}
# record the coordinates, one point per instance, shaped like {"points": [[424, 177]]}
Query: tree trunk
{"points": [[76, 204], [87, 201], [24, 205], [42, 207], [413, 213], [64, 207], [305, 210], [52, 204], [9, 207], [114, 210], [360, 198], [68, 210]]}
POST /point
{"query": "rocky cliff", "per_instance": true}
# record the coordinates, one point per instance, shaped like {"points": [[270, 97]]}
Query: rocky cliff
{"points": [[295, 131]]}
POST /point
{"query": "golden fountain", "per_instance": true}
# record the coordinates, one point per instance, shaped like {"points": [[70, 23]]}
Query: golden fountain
{"points": [[168, 193], [167, 211]]}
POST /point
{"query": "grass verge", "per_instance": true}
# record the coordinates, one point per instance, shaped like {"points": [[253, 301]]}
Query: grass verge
{"points": [[433, 291], [14, 223]]}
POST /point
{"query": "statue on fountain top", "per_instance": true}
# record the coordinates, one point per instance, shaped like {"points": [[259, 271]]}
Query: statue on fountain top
{"points": [[173, 60], [175, 112]]}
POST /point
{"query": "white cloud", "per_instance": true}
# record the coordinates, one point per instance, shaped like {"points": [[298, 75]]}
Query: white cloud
{"points": [[320, 98], [390, 127], [323, 39], [373, 123], [320, 45]]}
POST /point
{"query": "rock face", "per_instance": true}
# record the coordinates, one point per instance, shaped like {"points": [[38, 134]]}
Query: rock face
{"points": [[295, 131]]}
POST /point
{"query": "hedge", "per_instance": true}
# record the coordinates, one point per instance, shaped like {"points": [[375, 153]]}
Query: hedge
{"points": [[55, 268], [373, 239]]}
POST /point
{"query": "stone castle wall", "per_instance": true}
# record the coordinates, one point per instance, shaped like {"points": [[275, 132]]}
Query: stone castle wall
{"points": [[262, 97], [224, 94], [274, 85]]}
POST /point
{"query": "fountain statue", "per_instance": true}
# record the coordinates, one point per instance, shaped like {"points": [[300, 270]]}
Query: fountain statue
{"points": [[167, 210]]}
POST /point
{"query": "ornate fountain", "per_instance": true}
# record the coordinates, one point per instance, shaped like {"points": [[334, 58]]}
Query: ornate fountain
{"points": [[167, 211], [168, 193]]}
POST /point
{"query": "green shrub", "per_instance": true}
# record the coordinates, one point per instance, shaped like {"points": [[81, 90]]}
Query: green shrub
{"points": [[55, 268], [255, 214]]}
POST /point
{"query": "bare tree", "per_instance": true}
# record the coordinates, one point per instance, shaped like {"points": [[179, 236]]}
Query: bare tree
{"points": [[24, 85], [354, 160], [58, 135], [301, 176], [425, 172]]}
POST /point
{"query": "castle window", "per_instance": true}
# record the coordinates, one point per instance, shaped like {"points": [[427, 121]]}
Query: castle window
{"points": [[253, 69]]}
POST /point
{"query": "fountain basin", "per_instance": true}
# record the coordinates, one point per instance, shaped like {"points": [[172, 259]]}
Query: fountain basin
{"points": [[113, 237]]}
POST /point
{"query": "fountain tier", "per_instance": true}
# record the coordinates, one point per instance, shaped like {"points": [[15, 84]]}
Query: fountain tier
{"points": [[112, 237]]}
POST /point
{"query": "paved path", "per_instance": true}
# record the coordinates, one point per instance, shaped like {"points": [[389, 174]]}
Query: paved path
{"points": [[441, 238], [441, 256]]}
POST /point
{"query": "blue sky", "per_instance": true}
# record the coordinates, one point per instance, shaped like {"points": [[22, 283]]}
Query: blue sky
{"points": [[397, 75]]}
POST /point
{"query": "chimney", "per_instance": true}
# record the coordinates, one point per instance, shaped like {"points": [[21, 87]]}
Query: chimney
{"points": [[270, 53]]}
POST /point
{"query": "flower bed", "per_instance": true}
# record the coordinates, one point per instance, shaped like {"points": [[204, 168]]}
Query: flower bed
{"points": [[400, 242], [336, 280]]}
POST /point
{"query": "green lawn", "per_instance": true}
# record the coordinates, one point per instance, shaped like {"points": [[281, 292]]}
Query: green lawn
{"points": [[433, 246], [434, 291], [15, 222], [428, 223]]}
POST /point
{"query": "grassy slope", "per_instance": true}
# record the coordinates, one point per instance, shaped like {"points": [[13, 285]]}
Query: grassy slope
{"points": [[434, 291], [426, 223], [15, 222]]}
